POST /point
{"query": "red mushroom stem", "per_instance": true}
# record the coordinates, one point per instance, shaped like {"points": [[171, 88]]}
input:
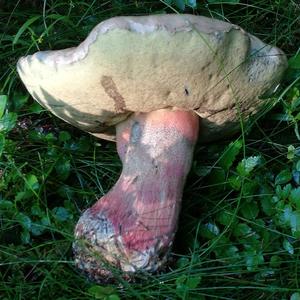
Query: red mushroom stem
{"points": [[132, 227]]}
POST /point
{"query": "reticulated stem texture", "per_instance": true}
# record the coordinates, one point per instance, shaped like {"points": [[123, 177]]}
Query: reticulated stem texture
{"points": [[132, 227]]}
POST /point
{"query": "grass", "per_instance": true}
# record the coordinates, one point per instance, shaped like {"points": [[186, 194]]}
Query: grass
{"points": [[239, 229]]}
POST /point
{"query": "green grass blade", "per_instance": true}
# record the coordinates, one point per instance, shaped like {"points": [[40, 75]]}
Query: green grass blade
{"points": [[3, 101], [25, 26]]}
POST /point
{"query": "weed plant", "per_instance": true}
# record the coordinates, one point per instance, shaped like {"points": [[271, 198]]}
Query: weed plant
{"points": [[239, 229]]}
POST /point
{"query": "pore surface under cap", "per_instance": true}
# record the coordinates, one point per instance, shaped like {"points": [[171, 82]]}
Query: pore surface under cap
{"points": [[141, 64]]}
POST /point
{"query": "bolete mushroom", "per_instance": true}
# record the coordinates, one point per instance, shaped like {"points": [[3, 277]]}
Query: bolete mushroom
{"points": [[146, 82]]}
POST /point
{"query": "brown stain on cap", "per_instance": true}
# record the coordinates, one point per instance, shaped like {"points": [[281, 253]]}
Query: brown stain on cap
{"points": [[112, 91]]}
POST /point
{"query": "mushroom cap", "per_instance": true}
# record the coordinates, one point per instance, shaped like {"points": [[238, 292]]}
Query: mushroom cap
{"points": [[141, 64]]}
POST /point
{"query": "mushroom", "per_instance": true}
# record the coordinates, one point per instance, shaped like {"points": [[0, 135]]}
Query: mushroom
{"points": [[146, 82]]}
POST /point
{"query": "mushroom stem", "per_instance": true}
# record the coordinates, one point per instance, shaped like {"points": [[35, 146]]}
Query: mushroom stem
{"points": [[132, 227]]}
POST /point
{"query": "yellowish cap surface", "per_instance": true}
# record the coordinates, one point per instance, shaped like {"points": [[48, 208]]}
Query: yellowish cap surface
{"points": [[141, 64]]}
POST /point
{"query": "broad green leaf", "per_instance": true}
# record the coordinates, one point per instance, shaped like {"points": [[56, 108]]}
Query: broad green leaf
{"points": [[267, 205], [36, 108], [37, 228], [295, 296], [36, 210], [231, 252], [266, 193], [45, 221], [3, 101], [102, 292], [209, 231], [11, 146], [294, 62], [251, 242], [64, 136], [184, 283], [250, 210], [229, 155], [249, 189], [66, 192], [193, 281], [296, 177], [265, 236], [276, 200], [83, 145], [226, 218], [288, 246], [285, 217], [295, 196], [181, 279], [284, 192], [61, 214], [31, 186], [295, 224], [283, 177], [32, 182], [182, 262], [53, 152], [63, 168], [23, 195], [50, 137], [8, 121], [213, 228], [192, 3], [180, 4], [25, 237], [19, 101], [295, 103], [253, 260], [24, 221], [235, 182], [241, 229], [6, 205], [275, 261], [246, 166], [181, 290], [291, 152]]}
